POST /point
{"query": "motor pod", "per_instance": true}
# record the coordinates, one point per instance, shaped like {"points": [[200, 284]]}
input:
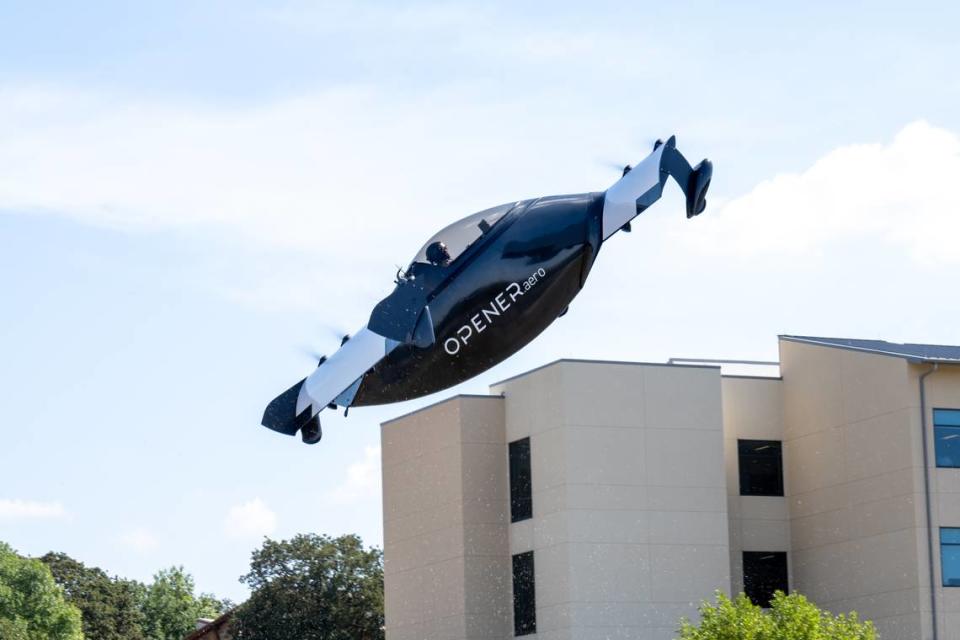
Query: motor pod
{"points": [[697, 187]]}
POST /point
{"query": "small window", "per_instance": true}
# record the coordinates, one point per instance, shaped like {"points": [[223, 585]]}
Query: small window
{"points": [[761, 467], [946, 433], [764, 573], [524, 597], [950, 556], [521, 499]]}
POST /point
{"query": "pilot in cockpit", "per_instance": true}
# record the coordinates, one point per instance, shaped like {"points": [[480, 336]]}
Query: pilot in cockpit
{"points": [[438, 254]]}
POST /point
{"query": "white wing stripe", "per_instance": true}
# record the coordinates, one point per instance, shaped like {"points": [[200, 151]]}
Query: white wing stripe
{"points": [[342, 369]]}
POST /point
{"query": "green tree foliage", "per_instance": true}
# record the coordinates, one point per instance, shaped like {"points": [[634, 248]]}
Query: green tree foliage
{"points": [[313, 588], [790, 617], [170, 607], [32, 606], [111, 607]]}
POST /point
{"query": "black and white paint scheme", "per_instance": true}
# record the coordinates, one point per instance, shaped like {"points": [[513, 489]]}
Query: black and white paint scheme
{"points": [[478, 291]]}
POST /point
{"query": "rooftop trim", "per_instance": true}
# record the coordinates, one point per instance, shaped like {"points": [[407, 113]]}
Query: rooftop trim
{"points": [[587, 361], [688, 361], [914, 353], [425, 407]]}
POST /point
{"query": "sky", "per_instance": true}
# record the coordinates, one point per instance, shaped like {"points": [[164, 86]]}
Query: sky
{"points": [[197, 196]]}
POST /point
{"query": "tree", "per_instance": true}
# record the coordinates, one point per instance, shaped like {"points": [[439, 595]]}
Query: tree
{"points": [[313, 588], [32, 606], [791, 617], [170, 607], [111, 608]]}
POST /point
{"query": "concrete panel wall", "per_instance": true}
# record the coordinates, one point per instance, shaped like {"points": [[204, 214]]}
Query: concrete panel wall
{"points": [[943, 392], [629, 528], [752, 410], [851, 454], [447, 564]]}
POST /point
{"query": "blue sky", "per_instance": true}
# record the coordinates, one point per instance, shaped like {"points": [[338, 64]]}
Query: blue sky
{"points": [[195, 195]]}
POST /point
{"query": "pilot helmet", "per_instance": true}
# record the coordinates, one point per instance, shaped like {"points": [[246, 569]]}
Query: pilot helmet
{"points": [[438, 254]]}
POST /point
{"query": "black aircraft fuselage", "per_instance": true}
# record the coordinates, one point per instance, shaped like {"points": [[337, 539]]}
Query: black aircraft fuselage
{"points": [[508, 286], [478, 291]]}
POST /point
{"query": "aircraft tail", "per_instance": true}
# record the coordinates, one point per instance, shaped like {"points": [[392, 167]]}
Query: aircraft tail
{"points": [[693, 180], [642, 185]]}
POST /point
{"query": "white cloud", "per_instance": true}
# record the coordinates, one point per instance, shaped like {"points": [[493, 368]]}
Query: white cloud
{"points": [[139, 539], [348, 179], [250, 519], [362, 481], [15, 509], [353, 180], [308, 172], [903, 194], [318, 171]]}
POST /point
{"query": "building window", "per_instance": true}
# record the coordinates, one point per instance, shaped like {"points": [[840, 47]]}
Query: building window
{"points": [[524, 600], [950, 556], [761, 467], [521, 500], [764, 572], [946, 433]]}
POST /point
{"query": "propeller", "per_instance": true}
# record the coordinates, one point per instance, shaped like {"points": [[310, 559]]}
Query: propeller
{"points": [[311, 353], [625, 169], [331, 333]]}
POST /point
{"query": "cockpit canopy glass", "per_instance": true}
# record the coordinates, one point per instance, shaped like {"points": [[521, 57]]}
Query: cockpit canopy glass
{"points": [[458, 237]]}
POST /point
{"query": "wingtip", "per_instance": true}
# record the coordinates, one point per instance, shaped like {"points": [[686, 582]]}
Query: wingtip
{"points": [[281, 414]]}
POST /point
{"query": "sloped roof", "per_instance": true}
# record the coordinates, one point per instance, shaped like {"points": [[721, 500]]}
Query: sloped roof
{"points": [[908, 351], [214, 625]]}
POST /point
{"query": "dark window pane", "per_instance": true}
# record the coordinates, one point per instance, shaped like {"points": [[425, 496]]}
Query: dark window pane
{"points": [[524, 599], [947, 417], [947, 446], [764, 572], [946, 437], [761, 467], [950, 535], [521, 500], [950, 556]]}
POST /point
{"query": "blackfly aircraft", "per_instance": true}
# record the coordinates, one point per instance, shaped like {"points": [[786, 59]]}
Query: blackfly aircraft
{"points": [[478, 291]]}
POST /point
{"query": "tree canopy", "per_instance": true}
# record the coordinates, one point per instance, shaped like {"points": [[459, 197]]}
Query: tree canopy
{"points": [[32, 605], [313, 587], [170, 607], [111, 607], [117, 609], [790, 617]]}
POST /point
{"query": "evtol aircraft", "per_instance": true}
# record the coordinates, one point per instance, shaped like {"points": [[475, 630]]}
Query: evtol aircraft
{"points": [[478, 291]]}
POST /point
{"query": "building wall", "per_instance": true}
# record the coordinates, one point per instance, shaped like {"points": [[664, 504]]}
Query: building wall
{"points": [[943, 392], [636, 508], [851, 454], [752, 410], [445, 515], [629, 527]]}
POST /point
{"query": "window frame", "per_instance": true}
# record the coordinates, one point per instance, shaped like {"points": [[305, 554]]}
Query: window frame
{"points": [[936, 439], [524, 588], [943, 572], [743, 472], [785, 587], [521, 479]]}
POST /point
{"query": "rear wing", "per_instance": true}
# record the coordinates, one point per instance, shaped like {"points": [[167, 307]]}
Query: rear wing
{"points": [[642, 185]]}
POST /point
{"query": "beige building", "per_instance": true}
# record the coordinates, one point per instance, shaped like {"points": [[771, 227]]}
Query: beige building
{"points": [[592, 500]]}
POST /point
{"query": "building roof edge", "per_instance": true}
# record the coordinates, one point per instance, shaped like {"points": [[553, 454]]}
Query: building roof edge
{"points": [[457, 396], [592, 361]]}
